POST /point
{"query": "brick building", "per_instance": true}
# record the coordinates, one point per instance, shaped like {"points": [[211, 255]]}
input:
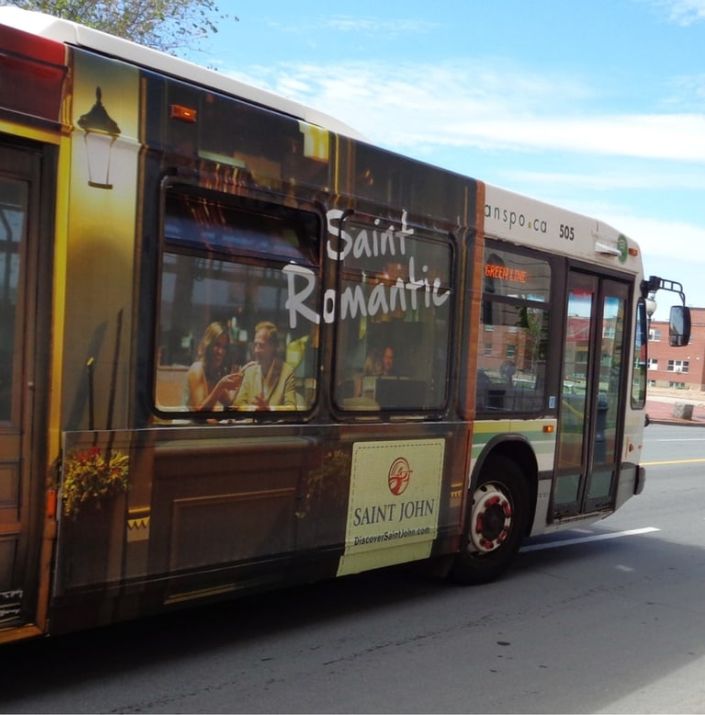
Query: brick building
{"points": [[682, 368]]}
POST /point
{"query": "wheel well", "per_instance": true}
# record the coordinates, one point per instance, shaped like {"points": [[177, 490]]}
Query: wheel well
{"points": [[520, 452]]}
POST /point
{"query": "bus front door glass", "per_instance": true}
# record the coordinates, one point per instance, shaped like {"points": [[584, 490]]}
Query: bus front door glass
{"points": [[609, 391], [577, 355], [592, 386]]}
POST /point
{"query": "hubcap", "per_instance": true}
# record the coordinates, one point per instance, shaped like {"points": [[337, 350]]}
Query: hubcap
{"points": [[491, 518]]}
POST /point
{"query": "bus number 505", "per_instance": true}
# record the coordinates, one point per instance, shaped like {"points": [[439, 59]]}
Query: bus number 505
{"points": [[567, 232]]}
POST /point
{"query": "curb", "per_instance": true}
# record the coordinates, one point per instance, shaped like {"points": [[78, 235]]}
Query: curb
{"points": [[679, 423], [669, 420]]}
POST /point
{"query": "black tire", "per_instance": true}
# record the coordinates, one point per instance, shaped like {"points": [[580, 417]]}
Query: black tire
{"points": [[496, 522]]}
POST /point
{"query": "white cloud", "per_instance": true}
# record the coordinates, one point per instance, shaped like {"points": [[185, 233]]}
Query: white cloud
{"points": [[418, 106], [689, 92], [609, 181], [677, 137], [354, 24], [684, 12], [658, 237], [374, 26]]}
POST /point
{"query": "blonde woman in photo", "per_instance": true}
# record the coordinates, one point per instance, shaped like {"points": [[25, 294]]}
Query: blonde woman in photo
{"points": [[210, 385]]}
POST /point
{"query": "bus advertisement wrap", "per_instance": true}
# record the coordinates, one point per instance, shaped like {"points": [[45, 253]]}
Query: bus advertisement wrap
{"points": [[243, 348]]}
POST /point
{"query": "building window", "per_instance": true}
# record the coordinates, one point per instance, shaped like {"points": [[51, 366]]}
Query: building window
{"points": [[678, 366], [677, 385], [653, 364], [654, 335]]}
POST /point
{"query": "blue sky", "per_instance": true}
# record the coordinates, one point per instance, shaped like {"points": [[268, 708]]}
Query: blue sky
{"points": [[594, 105]]}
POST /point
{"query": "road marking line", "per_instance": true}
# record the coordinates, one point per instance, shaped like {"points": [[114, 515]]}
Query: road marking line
{"points": [[679, 439], [585, 539], [696, 460]]}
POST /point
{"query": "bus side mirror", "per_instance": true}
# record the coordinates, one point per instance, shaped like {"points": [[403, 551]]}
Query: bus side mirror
{"points": [[679, 326]]}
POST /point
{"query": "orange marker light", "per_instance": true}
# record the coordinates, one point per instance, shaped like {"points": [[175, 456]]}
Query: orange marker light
{"points": [[185, 114], [51, 504]]}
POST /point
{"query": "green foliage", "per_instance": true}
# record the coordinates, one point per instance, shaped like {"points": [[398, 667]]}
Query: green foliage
{"points": [[91, 476], [167, 25]]}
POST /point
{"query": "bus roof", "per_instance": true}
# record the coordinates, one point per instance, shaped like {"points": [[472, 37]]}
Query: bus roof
{"points": [[71, 33]]}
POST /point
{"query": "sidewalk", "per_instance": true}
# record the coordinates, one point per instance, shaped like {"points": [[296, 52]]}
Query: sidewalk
{"points": [[660, 406]]}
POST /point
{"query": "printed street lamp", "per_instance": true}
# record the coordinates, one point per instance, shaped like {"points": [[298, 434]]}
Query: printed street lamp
{"points": [[100, 133]]}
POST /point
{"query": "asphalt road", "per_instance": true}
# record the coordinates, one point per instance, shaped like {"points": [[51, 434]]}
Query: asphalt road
{"points": [[605, 619]]}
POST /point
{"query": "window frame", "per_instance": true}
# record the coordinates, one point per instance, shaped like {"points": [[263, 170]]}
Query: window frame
{"points": [[639, 357], [548, 308], [374, 219], [245, 199], [681, 367]]}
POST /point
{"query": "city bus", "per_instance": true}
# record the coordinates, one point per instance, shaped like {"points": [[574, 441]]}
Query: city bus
{"points": [[243, 348]]}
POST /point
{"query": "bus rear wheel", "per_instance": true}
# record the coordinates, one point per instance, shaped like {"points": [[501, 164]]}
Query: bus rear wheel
{"points": [[496, 523]]}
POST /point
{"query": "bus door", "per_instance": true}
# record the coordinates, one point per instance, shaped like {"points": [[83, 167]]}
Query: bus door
{"points": [[19, 323], [595, 361]]}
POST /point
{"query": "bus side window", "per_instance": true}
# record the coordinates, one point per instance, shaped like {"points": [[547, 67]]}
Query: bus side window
{"points": [[513, 334], [393, 341], [638, 392], [226, 342]]}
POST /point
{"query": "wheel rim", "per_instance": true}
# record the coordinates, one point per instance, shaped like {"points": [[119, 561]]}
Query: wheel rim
{"points": [[491, 518]]}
